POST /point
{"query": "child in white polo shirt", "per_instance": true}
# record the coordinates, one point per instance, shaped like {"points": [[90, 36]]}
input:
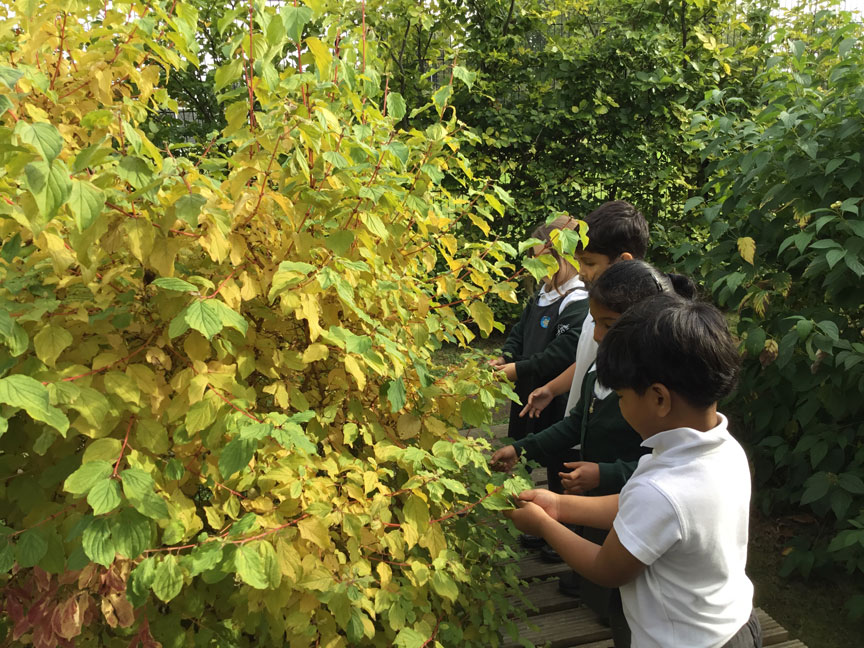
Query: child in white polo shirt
{"points": [[678, 541]]}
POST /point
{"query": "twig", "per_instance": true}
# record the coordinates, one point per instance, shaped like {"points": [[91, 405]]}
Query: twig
{"points": [[123, 448]]}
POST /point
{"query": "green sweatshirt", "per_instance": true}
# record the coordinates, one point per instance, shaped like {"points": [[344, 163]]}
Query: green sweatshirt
{"points": [[606, 438], [539, 368]]}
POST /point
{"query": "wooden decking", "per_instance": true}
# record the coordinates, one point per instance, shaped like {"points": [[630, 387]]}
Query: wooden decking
{"points": [[563, 622]]}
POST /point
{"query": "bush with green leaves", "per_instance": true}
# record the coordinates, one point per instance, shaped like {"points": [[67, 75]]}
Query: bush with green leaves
{"points": [[220, 418], [784, 205]]}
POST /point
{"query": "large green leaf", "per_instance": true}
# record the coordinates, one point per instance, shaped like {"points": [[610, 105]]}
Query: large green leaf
{"points": [[98, 543], [205, 317], [131, 533], [31, 548], [49, 184], [13, 334], [87, 476], [295, 18], [86, 203], [45, 138], [139, 488], [168, 579], [104, 496], [32, 396], [236, 455]]}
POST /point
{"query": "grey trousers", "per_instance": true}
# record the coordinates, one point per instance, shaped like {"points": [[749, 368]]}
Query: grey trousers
{"points": [[749, 636]]}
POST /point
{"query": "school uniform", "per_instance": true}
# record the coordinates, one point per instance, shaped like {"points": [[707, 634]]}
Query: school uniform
{"points": [[684, 513], [542, 345], [608, 440]]}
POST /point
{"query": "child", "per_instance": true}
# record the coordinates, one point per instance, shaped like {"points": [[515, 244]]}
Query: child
{"points": [[610, 448], [617, 231], [678, 541], [543, 342]]}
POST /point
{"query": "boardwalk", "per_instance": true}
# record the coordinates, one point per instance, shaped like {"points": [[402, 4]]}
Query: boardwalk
{"points": [[563, 622]]}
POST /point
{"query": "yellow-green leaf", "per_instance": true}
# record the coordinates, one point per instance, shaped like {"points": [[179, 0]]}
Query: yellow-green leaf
{"points": [[50, 342], [747, 248]]}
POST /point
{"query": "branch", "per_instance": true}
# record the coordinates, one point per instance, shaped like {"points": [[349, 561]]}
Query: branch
{"points": [[509, 16], [123, 448]]}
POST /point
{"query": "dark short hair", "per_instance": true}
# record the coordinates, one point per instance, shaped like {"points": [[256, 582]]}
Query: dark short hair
{"points": [[626, 283], [617, 227], [684, 345]]}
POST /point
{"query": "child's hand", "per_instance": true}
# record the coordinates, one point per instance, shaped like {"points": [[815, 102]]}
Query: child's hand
{"points": [[504, 459], [528, 518], [584, 476], [537, 402], [509, 370], [546, 500], [497, 362]]}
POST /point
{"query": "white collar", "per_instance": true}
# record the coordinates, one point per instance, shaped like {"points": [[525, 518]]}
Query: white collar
{"points": [[687, 441], [550, 295]]}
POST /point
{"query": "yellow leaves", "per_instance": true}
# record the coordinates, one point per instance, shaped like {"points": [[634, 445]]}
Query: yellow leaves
{"points": [[483, 316], [50, 342], [747, 248], [313, 530], [321, 54], [408, 426], [140, 237], [310, 310], [315, 352]]}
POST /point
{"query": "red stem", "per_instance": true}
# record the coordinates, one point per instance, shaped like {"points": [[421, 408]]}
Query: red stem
{"points": [[108, 366], [48, 519], [123, 448], [59, 51], [224, 281]]}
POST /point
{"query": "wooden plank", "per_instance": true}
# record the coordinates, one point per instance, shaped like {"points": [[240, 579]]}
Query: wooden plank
{"points": [[772, 635], [563, 629], [544, 596], [772, 632], [532, 568]]}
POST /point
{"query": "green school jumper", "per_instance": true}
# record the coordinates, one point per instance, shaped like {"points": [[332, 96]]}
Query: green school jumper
{"points": [[607, 440]]}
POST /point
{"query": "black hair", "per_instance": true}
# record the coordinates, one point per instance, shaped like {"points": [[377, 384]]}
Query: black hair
{"points": [[617, 227], [684, 345], [626, 283]]}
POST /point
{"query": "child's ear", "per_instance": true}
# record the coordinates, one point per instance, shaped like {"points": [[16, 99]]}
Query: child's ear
{"points": [[661, 399], [625, 256]]}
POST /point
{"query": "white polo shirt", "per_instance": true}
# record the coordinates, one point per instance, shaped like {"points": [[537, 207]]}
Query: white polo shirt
{"points": [[586, 354], [685, 513]]}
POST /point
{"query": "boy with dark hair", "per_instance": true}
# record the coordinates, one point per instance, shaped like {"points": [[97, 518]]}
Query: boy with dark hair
{"points": [[678, 541]]}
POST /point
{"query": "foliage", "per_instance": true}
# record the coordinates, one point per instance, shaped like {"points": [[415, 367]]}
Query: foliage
{"points": [[784, 206], [221, 422]]}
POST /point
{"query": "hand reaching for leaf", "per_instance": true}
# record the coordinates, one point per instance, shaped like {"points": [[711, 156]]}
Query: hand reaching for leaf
{"points": [[583, 477], [504, 459], [536, 508], [537, 402]]}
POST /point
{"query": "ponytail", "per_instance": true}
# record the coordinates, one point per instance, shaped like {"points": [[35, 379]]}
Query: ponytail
{"points": [[626, 283]]}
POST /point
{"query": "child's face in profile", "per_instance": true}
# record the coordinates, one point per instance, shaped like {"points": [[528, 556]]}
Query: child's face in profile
{"points": [[603, 319], [592, 265], [636, 410]]}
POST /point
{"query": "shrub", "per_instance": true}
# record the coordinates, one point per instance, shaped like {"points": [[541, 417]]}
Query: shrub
{"points": [[221, 423]]}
